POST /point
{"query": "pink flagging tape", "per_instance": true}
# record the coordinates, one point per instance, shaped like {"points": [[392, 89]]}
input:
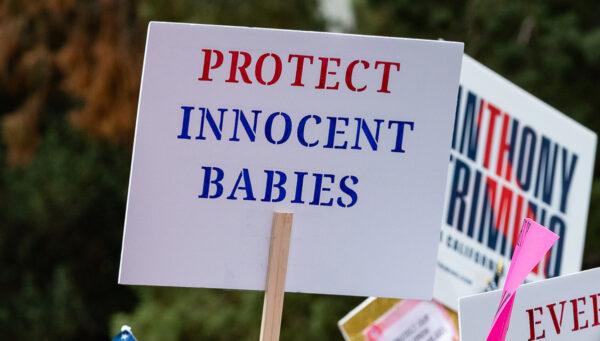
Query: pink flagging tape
{"points": [[534, 241]]}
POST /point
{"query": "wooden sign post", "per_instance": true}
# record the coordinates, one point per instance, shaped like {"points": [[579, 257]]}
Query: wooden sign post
{"points": [[281, 232]]}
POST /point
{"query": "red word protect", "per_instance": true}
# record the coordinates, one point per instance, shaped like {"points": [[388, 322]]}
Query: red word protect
{"points": [[266, 69], [582, 312]]}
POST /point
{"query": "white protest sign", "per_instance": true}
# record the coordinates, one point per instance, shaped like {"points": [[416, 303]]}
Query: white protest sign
{"points": [[512, 156], [561, 308], [350, 133]]}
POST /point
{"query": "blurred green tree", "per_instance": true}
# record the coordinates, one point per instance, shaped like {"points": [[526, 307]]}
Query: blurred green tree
{"points": [[68, 70]]}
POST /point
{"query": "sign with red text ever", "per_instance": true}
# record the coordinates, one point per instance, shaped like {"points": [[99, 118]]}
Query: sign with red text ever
{"points": [[562, 308], [513, 156], [350, 133]]}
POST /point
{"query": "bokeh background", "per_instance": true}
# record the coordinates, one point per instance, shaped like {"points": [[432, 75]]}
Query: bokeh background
{"points": [[69, 82]]}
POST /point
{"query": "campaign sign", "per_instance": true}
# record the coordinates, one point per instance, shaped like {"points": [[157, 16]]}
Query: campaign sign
{"points": [[350, 133], [512, 157], [562, 308]]}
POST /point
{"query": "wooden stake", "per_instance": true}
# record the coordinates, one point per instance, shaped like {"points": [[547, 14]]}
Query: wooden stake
{"points": [[281, 232]]}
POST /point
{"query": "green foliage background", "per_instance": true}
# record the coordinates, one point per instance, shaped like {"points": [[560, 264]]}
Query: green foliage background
{"points": [[67, 131]]}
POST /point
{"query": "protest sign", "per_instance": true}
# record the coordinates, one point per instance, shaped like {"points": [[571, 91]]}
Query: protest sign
{"points": [[512, 157], [561, 308], [350, 133]]}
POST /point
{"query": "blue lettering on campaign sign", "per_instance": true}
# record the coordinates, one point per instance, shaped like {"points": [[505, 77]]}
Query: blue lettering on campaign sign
{"points": [[519, 173]]}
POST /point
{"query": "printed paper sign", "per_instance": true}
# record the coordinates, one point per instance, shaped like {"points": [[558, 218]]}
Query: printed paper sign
{"points": [[412, 321], [350, 133], [562, 308], [512, 157], [380, 319]]}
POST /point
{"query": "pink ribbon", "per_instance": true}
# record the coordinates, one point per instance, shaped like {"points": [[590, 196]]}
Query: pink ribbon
{"points": [[534, 241]]}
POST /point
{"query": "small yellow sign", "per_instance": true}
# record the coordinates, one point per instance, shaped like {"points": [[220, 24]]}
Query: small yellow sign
{"points": [[377, 317]]}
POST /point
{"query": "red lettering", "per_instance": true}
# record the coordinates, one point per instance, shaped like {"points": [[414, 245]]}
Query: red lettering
{"points": [[207, 63], [494, 112], [299, 67], [259, 67], [242, 68], [385, 77], [503, 213], [557, 323], [242, 65], [325, 72], [505, 151], [350, 71], [596, 311], [576, 313], [533, 323]]}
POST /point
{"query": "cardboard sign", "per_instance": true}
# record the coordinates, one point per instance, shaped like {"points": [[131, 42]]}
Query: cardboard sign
{"points": [[380, 319], [350, 133], [512, 157], [562, 308]]}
